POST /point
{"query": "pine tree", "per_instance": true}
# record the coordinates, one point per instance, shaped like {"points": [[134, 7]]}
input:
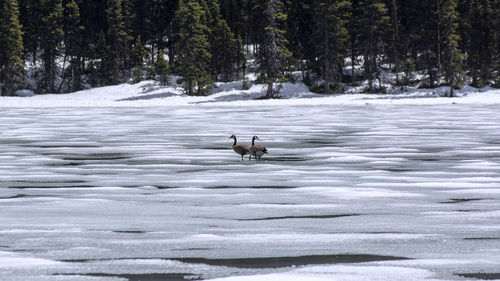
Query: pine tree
{"points": [[496, 42], [332, 37], [73, 32], [226, 51], [101, 53], [50, 40], [452, 57], [137, 59], [234, 12], [30, 17], [479, 44], [193, 48], [117, 39], [162, 68], [395, 40], [300, 25], [272, 53], [375, 23], [11, 49], [355, 31]]}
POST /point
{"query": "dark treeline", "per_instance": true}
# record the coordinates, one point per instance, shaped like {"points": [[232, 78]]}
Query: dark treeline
{"points": [[334, 43]]}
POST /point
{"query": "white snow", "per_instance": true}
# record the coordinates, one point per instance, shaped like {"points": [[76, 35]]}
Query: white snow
{"points": [[148, 93]]}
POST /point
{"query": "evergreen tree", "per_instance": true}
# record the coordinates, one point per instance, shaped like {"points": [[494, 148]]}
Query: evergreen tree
{"points": [[73, 32], [300, 25], [225, 51], [50, 40], [394, 50], [375, 23], [162, 68], [102, 53], [332, 36], [193, 48], [236, 16], [479, 42], [30, 17], [496, 42], [11, 49], [355, 31], [452, 57], [137, 59], [272, 54], [117, 39]]}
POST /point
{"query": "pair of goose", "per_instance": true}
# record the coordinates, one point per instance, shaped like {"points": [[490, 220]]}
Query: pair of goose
{"points": [[255, 150]]}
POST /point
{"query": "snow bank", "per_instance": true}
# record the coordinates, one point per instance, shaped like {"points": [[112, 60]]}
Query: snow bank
{"points": [[149, 93]]}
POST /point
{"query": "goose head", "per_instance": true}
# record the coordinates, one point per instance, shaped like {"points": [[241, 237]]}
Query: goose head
{"points": [[254, 138], [232, 137]]}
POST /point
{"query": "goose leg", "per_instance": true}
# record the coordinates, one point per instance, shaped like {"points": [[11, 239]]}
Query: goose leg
{"points": [[241, 158], [250, 157]]}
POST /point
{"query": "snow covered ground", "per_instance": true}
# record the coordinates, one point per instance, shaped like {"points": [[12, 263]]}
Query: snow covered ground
{"points": [[149, 93], [137, 182]]}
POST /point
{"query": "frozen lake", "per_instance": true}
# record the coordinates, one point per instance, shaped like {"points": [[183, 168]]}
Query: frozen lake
{"points": [[346, 193]]}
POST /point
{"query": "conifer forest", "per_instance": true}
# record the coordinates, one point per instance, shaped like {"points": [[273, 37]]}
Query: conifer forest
{"points": [[73, 44]]}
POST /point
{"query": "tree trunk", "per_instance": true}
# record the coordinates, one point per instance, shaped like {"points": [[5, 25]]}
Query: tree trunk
{"points": [[269, 93], [395, 39], [326, 51], [170, 45], [439, 36]]}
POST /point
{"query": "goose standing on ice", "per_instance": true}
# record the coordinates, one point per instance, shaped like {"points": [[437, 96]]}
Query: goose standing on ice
{"points": [[241, 149], [256, 150]]}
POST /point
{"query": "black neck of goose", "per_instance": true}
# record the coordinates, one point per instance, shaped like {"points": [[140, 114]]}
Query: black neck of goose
{"points": [[234, 141], [253, 141]]}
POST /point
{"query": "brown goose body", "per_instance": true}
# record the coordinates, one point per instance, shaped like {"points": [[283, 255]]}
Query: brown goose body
{"points": [[257, 151], [241, 149]]}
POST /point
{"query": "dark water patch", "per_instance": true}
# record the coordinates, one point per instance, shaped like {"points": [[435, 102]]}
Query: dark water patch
{"points": [[461, 200], [96, 157], [267, 204], [129, 231], [143, 277], [280, 262], [467, 211], [49, 184], [283, 159], [67, 164], [482, 238], [269, 262], [199, 170], [251, 187], [301, 217], [384, 232], [14, 197], [323, 143], [427, 159], [65, 146], [194, 249], [481, 276], [397, 170], [165, 187]]}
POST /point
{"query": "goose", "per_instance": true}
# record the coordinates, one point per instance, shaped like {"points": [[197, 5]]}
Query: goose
{"points": [[256, 150], [241, 149]]}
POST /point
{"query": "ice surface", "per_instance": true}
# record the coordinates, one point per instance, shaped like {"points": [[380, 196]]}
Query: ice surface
{"points": [[362, 192]]}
